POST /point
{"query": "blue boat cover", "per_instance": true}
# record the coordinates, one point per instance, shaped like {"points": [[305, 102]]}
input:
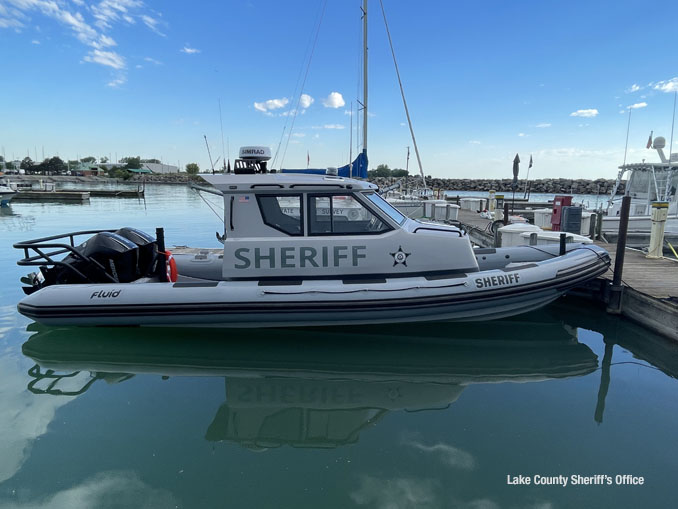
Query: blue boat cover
{"points": [[359, 169]]}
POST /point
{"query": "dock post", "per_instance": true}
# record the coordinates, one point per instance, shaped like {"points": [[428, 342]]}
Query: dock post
{"points": [[599, 224], [563, 242], [160, 238], [506, 213], [660, 212], [592, 226], [616, 290]]}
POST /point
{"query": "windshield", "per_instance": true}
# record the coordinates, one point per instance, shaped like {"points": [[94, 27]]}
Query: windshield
{"points": [[386, 207]]}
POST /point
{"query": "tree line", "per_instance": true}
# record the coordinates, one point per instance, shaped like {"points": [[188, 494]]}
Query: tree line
{"points": [[384, 171]]}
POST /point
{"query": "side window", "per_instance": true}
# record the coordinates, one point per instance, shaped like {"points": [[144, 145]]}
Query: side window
{"points": [[282, 213], [342, 215]]}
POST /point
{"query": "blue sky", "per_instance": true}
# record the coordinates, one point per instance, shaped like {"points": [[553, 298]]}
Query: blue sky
{"points": [[483, 80]]}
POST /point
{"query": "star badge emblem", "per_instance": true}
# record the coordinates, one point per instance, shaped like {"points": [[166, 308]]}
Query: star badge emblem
{"points": [[400, 257]]}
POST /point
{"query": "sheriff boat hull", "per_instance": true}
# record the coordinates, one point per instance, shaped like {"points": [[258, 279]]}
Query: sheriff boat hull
{"points": [[481, 295]]}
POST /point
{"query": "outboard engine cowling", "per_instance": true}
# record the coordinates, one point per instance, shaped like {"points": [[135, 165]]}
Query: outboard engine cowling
{"points": [[148, 250], [106, 257]]}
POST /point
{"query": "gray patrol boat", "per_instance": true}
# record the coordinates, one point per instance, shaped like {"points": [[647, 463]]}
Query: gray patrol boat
{"points": [[298, 250]]}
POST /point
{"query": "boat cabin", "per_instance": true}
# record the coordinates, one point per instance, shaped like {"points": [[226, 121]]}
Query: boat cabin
{"points": [[649, 182], [326, 227]]}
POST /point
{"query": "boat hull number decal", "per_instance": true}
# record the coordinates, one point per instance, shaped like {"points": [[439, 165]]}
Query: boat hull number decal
{"points": [[491, 281]]}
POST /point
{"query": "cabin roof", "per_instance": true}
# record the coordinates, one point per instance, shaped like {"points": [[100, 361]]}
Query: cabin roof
{"points": [[649, 166], [237, 183]]}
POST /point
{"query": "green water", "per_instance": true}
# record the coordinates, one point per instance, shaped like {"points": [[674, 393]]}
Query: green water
{"points": [[434, 415]]}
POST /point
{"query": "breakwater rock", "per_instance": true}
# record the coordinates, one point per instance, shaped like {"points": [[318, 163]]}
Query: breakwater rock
{"points": [[555, 186]]}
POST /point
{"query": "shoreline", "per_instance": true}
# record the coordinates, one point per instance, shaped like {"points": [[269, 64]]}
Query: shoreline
{"points": [[546, 186]]}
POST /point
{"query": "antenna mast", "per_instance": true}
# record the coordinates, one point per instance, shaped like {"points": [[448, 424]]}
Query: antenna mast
{"points": [[365, 77], [221, 124], [350, 146], [208, 152], [402, 93]]}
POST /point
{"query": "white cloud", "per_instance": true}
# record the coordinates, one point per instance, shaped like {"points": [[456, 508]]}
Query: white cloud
{"points": [[329, 126], [637, 106], [116, 81], [334, 100], [35, 41], [299, 135], [585, 113], [305, 101], [543, 125], [126, 489], [108, 12], [448, 454], [397, 493], [104, 41], [667, 85], [523, 135], [152, 23], [189, 51], [107, 58], [271, 104], [91, 32], [152, 60], [633, 88]]}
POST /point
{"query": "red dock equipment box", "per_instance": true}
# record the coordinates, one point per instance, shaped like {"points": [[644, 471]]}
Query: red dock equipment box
{"points": [[559, 202]]}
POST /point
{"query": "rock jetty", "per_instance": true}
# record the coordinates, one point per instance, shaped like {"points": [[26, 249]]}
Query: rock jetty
{"points": [[555, 186]]}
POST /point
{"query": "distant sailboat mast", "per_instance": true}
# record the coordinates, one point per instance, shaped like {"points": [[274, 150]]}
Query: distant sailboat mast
{"points": [[402, 94], [365, 79]]}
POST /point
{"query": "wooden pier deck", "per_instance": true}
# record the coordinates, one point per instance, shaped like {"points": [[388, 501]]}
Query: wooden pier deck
{"points": [[114, 193], [51, 196], [657, 278]]}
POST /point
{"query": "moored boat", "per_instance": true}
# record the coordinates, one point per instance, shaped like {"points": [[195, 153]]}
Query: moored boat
{"points": [[647, 182], [310, 268], [6, 194]]}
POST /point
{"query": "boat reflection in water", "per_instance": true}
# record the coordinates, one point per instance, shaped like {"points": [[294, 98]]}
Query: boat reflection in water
{"points": [[312, 387]]}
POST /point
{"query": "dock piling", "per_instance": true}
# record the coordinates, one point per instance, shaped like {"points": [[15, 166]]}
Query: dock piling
{"points": [[660, 213], [616, 290]]}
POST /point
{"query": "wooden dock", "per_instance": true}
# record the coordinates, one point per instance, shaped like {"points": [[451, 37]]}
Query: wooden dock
{"points": [[657, 278], [650, 295], [78, 196], [114, 193]]}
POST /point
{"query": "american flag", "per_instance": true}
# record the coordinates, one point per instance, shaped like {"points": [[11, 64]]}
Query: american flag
{"points": [[244, 199]]}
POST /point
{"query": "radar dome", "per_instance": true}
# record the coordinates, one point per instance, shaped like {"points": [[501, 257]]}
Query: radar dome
{"points": [[659, 142], [255, 153]]}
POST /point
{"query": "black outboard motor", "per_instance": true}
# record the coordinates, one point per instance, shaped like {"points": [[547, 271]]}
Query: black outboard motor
{"points": [[148, 251], [106, 258]]}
